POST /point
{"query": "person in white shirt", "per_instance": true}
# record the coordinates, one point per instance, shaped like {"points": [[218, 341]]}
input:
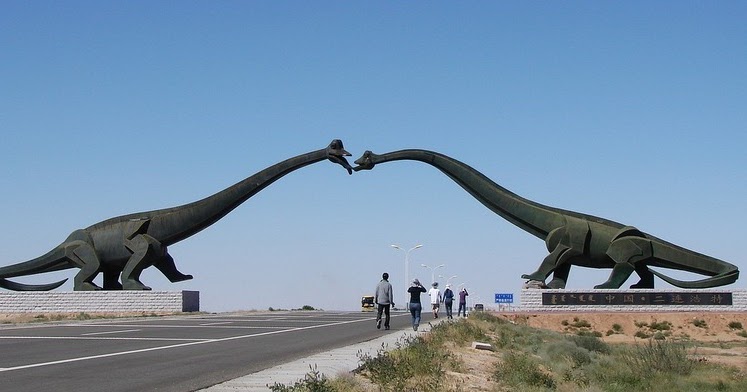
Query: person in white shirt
{"points": [[435, 294]]}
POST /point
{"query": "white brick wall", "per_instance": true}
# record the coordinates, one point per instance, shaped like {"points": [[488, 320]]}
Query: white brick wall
{"points": [[531, 300], [99, 301]]}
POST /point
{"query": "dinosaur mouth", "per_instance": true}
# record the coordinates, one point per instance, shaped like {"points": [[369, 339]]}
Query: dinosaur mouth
{"points": [[343, 162], [339, 158], [336, 153], [363, 163]]}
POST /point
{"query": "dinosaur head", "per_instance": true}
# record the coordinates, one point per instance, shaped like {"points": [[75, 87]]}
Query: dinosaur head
{"points": [[367, 161], [336, 153]]}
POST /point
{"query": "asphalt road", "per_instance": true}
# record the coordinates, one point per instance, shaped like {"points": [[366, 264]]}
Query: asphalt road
{"points": [[184, 353]]}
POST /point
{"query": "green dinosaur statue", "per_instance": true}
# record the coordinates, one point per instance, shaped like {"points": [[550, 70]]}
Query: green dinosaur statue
{"points": [[126, 245], [573, 238]]}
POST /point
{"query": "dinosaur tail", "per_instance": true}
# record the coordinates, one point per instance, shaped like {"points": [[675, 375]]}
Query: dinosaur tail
{"points": [[54, 260], [10, 285], [714, 281]]}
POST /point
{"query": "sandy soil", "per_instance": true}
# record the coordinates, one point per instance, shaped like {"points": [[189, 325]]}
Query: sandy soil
{"points": [[716, 337], [710, 334]]}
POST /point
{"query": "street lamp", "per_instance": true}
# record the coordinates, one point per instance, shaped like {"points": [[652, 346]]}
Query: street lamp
{"points": [[407, 268], [433, 270], [448, 280]]}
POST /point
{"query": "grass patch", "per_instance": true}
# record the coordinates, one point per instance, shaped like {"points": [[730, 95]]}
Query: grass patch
{"points": [[519, 370], [529, 359], [418, 364]]}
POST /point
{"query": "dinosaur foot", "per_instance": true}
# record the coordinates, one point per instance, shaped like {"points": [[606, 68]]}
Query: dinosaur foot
{"points": [[606, 285], [640, 285], [534, 284], [534, 276], [134, 285], [179, 278], [556, 283], [87, 286]]}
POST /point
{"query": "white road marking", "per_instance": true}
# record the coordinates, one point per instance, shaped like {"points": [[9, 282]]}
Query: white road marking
{"points": [[219, 323], [97, 338], [108, 332], [116, 354]]}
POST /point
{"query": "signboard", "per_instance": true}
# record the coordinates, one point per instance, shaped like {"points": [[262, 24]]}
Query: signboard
{"points": [[504, 298], [628, 298]]}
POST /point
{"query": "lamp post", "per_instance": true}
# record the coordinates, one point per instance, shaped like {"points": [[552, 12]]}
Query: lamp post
{"points": [[448, 280], [433, 270], [407, 269]]}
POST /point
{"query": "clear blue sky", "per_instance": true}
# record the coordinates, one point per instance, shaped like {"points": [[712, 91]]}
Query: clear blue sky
{"points": [[632, 111]]}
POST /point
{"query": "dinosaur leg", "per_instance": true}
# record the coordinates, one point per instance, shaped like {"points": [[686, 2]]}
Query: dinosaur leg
{"points": [[145, 250], [560, 276], [84, 256], [647, 277], [626, 252], [111, 279], [166, 265], [556, 259]]}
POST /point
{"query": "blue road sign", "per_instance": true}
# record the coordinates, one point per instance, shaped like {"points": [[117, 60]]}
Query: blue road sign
{"points": [[504, 298]]}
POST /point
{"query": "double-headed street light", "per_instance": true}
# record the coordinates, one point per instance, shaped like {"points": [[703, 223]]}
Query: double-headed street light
{"points": [[433, 270], [448, 280], [407, 268]]}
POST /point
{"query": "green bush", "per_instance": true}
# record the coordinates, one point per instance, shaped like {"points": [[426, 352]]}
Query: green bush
{"points": [[567, 350], [735, 325], [580, 323], [519, 370], [459, 332], [591, 343], [660, 326], [313, 381], [594, 334], [700, 323], [416, 362], [659, 356], [642, 335]]}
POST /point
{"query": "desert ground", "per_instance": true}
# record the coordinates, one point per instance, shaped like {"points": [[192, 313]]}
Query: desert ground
{"points": [[711, 337], [715, 336]]}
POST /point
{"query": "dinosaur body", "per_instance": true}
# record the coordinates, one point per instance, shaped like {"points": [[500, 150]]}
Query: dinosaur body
{"points": [[126, 245], [573, 238]]}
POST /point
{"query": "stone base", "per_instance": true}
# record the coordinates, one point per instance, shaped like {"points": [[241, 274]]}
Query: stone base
{"points": [[633, 300], [99, 301]]}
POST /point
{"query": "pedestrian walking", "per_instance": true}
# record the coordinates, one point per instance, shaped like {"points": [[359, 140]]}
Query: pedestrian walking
{"points": [[384, 299], [448, 301], [462, 302], [435, 294], [415, 307]]}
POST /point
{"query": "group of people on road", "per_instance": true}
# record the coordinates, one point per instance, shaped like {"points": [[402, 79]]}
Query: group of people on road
{"points": [[384, 300]]}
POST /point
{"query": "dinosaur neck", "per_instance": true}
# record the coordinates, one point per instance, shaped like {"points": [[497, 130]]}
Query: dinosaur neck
{"points": [[175, 224], [532, 217]]}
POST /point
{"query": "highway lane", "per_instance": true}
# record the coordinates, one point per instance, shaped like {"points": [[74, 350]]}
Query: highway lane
{"points": [[183, 353]]}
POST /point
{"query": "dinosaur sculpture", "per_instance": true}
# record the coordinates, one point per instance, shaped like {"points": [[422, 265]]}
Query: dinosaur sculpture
{"points": [[573, 238], [126, 245]]}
